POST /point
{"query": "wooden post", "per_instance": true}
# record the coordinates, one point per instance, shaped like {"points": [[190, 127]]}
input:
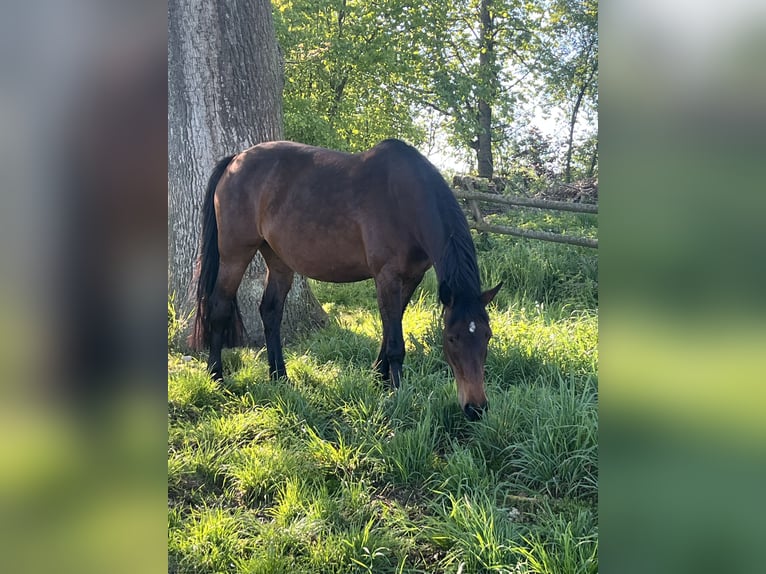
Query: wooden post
{"points": [[474, 207]]}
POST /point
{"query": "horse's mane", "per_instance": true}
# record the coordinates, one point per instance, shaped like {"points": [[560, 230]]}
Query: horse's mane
{"points": [[458, 267]]}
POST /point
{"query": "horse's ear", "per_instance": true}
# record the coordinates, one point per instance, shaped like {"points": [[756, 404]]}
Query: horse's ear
{"points": [[445, 294], [487, 296]]}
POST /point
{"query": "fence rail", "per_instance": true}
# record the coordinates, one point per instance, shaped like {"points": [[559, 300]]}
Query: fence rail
{"points": [[473, 197], [527, 201], [532, 234]]}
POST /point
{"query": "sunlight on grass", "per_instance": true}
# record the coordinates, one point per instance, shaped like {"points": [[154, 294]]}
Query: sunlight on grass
{"points": [[191, 387], [474, 531], [209, 539], [528, 342], [257, 471]]}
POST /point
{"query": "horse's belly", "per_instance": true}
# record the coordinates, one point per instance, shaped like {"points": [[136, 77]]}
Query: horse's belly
{"points": [[331, 259], [338, 274]]}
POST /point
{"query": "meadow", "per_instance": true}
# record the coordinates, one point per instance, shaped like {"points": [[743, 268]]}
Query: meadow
{"points": [[335, 472]]}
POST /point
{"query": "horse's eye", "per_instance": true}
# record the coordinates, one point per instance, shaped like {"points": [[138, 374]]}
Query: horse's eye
{"points": [[452, 339]]}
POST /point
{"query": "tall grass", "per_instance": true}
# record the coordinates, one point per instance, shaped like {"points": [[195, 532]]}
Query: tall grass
{"points": [[333, 471], [177, 323]]}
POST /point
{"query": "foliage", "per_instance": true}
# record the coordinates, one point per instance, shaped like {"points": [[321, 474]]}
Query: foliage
{"points": [[529, 161], [455, 75], [569, 61], [359, 72], [345, 61], [332, 471], [571, 50]]}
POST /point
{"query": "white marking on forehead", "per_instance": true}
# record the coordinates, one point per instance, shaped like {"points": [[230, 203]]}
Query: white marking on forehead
{"points": [[471, 327]]}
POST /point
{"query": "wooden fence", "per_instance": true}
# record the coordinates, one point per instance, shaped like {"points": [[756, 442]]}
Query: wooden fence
{"points": [[465, 189]]}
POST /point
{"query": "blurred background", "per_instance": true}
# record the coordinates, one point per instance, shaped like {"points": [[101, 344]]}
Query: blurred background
{"points": [[83, 128], [82, 297], [681, 286]]}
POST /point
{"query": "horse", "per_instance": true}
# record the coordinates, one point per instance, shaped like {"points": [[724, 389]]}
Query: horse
{"points": [[385, 213]]}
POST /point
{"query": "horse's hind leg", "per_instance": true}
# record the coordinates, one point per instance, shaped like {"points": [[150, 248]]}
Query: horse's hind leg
{"points": [[225, 322], [279, 280]]}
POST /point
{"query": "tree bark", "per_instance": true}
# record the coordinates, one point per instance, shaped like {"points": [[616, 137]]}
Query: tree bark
{"points": [[224, 94], [484, 148], [488, 77], [570, 138]]}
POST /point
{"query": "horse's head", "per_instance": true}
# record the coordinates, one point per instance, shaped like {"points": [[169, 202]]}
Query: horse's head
{"points": [[466, 335]]}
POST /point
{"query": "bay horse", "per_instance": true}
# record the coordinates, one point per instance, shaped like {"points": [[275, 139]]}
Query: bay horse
{"points": [[385, 214]]}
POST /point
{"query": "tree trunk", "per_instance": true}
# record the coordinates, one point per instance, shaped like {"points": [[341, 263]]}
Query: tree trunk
{"points": [[484, 149], [570, 138], [224, 95], [487, 89], [573, 121], [593, 160]]}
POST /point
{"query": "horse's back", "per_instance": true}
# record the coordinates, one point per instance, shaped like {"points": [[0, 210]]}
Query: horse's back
{"points": [[331, 215], [318, 183], [315, 174]]}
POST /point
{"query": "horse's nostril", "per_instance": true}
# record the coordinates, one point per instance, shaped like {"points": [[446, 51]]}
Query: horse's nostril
{"points": [[474, 412]]}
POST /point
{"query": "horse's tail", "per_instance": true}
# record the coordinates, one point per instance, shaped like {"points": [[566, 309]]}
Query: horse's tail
{"points": [[207, 272]]}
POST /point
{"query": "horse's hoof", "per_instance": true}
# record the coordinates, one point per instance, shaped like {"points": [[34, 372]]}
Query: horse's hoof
{"points": [[384, 375]]}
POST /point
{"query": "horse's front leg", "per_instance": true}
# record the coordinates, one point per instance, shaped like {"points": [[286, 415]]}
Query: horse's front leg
{"points": [[381, 365], [407, 288], [390, 305]]}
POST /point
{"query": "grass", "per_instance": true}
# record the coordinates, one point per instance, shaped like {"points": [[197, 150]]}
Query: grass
{"points": [[335, 472]]}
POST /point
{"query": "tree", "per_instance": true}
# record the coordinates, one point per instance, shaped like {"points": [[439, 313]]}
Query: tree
{"points": [[345, 61], [529, 160], [475, 53], [358, 72], [570, 68], [224, 94]]}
